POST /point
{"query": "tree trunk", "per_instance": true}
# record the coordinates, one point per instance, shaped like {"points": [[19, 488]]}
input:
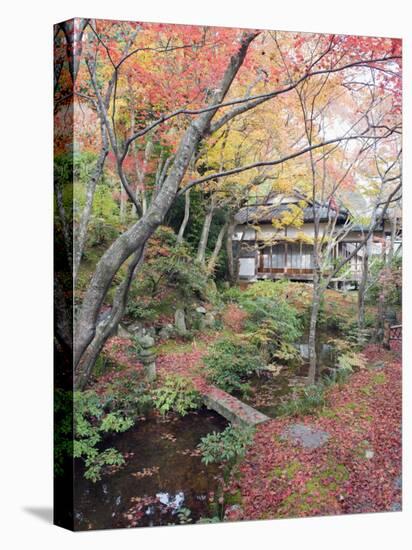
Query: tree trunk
{"points": [[391, 250], [123, 202], [183, 225], [141, 195], [204, 237], [218, 246], [362, 290], [380, 322], [134, 239], [232, 260], [317, 296], [81, 233]]}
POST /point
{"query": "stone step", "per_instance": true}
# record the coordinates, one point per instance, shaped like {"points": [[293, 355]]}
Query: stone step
{"points": [[231, 408]]}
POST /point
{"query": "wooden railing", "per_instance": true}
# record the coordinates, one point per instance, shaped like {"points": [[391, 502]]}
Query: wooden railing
{"points": [[395, 332]]}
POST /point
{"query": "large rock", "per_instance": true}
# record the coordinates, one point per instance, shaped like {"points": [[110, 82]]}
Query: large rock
{"points": [[180, 321]]}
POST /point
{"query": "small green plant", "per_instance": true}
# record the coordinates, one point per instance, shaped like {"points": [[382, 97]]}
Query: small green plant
{"points": [[176, 395], [311, 399], [184, 516], [138, 310], [129, 395], [230, 363], [338, 376], [91, 421], [356, 337], [351, 361], [226, 447]]}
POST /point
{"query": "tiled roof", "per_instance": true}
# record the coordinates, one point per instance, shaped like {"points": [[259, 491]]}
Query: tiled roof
{"points": [[266, 213]]}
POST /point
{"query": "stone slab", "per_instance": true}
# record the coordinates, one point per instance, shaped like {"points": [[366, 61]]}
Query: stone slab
{"points": [[307, 436], [231, 408]]}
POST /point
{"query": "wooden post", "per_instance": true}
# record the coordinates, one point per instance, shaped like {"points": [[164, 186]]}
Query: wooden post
{"points": [[386, 334], [270, 263]]}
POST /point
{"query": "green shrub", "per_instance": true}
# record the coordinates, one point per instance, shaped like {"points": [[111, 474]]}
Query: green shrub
{"points": [[389, 278], [279, 316], [91, 421], [230, 363], [273, 326], [176, 395], [266, 289], [170, 264], [226, 447], [232, 294]]}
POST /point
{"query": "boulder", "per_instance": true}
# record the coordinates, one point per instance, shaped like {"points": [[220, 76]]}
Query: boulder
{"points": [[201, 310]]}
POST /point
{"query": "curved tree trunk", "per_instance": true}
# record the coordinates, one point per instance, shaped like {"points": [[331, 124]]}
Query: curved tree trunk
{"points": [[185, 220], [218, 246]]}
